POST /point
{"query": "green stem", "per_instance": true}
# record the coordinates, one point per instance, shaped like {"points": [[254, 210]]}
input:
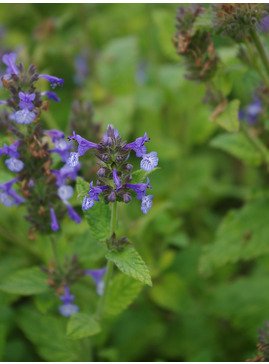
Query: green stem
{"points": [[109, 267], [261, 50], [258, 145], [255, 61], [55, 253]]}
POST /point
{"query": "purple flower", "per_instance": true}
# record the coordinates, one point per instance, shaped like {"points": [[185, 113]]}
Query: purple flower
{"points": [[65, 192], [2, 102], [83, 144], [14, 164], [9, 197], [264, 26], [51, 95], [61, 147], [95, 191], [64, 173], [116, 179], [67, 297], [149, 161], [146, 204], [251, 112], [138, 145], [54, 134], [73, 160], [26, 100], [23, 116], [54, 81], [97, 275], [72, 213], [87, 203], [139, 188], [9, 60], [11, 151], [67, 309], [54, 223]]}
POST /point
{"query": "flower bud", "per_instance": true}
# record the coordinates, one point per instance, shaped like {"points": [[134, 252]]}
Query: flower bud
{"points": [[102, 172], [112, 196], [126, 198]]}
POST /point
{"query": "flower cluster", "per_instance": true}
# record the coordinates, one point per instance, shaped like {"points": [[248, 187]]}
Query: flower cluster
{"points": [[114, 175], [236, 20], [27, 151], [60, 281], [196, 47]]}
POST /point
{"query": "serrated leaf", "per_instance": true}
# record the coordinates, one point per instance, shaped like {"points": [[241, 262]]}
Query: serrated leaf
{"points": [[82, 188], [140, 175], [243, 234], [122, 292], [130, 263], [239, 146], [48, 333], [82, 325], [228, 118], [26, 282], [87, 249], [98, 218]]}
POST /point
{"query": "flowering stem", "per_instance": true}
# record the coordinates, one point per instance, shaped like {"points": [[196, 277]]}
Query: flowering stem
{"points": [[261, 50], [109, 267], [55, 253], [255, 61], [258, 145]]}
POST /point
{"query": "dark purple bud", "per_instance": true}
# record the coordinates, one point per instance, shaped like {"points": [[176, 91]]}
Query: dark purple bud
{"points": [[34, 78], [126, 198], [105, 157], [102, 172], [128, 167], [32, 69], [112, 196], [120, 158]]}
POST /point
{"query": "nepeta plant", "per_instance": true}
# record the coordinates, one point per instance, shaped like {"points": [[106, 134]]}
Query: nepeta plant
{"points": [[42, 189]]}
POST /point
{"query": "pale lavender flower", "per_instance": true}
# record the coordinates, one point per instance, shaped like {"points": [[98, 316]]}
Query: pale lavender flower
{"points": [[146, 204], [14, 164], [87, 203], [23, 116], [9, 60], [149, 161], [97, 275]]}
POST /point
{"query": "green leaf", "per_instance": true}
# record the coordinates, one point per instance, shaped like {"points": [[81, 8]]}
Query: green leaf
{"points": [[140, 175], [171, 293], [48, 333], [243, 234], [82, 187], [82, 325], [87, 249], [228, 119], [98, 218], [26, 282], [239, 146], [130, 263], [122, 292]]}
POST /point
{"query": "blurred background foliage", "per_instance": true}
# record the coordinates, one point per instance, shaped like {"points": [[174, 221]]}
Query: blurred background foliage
{"points": [[207, 300]]}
